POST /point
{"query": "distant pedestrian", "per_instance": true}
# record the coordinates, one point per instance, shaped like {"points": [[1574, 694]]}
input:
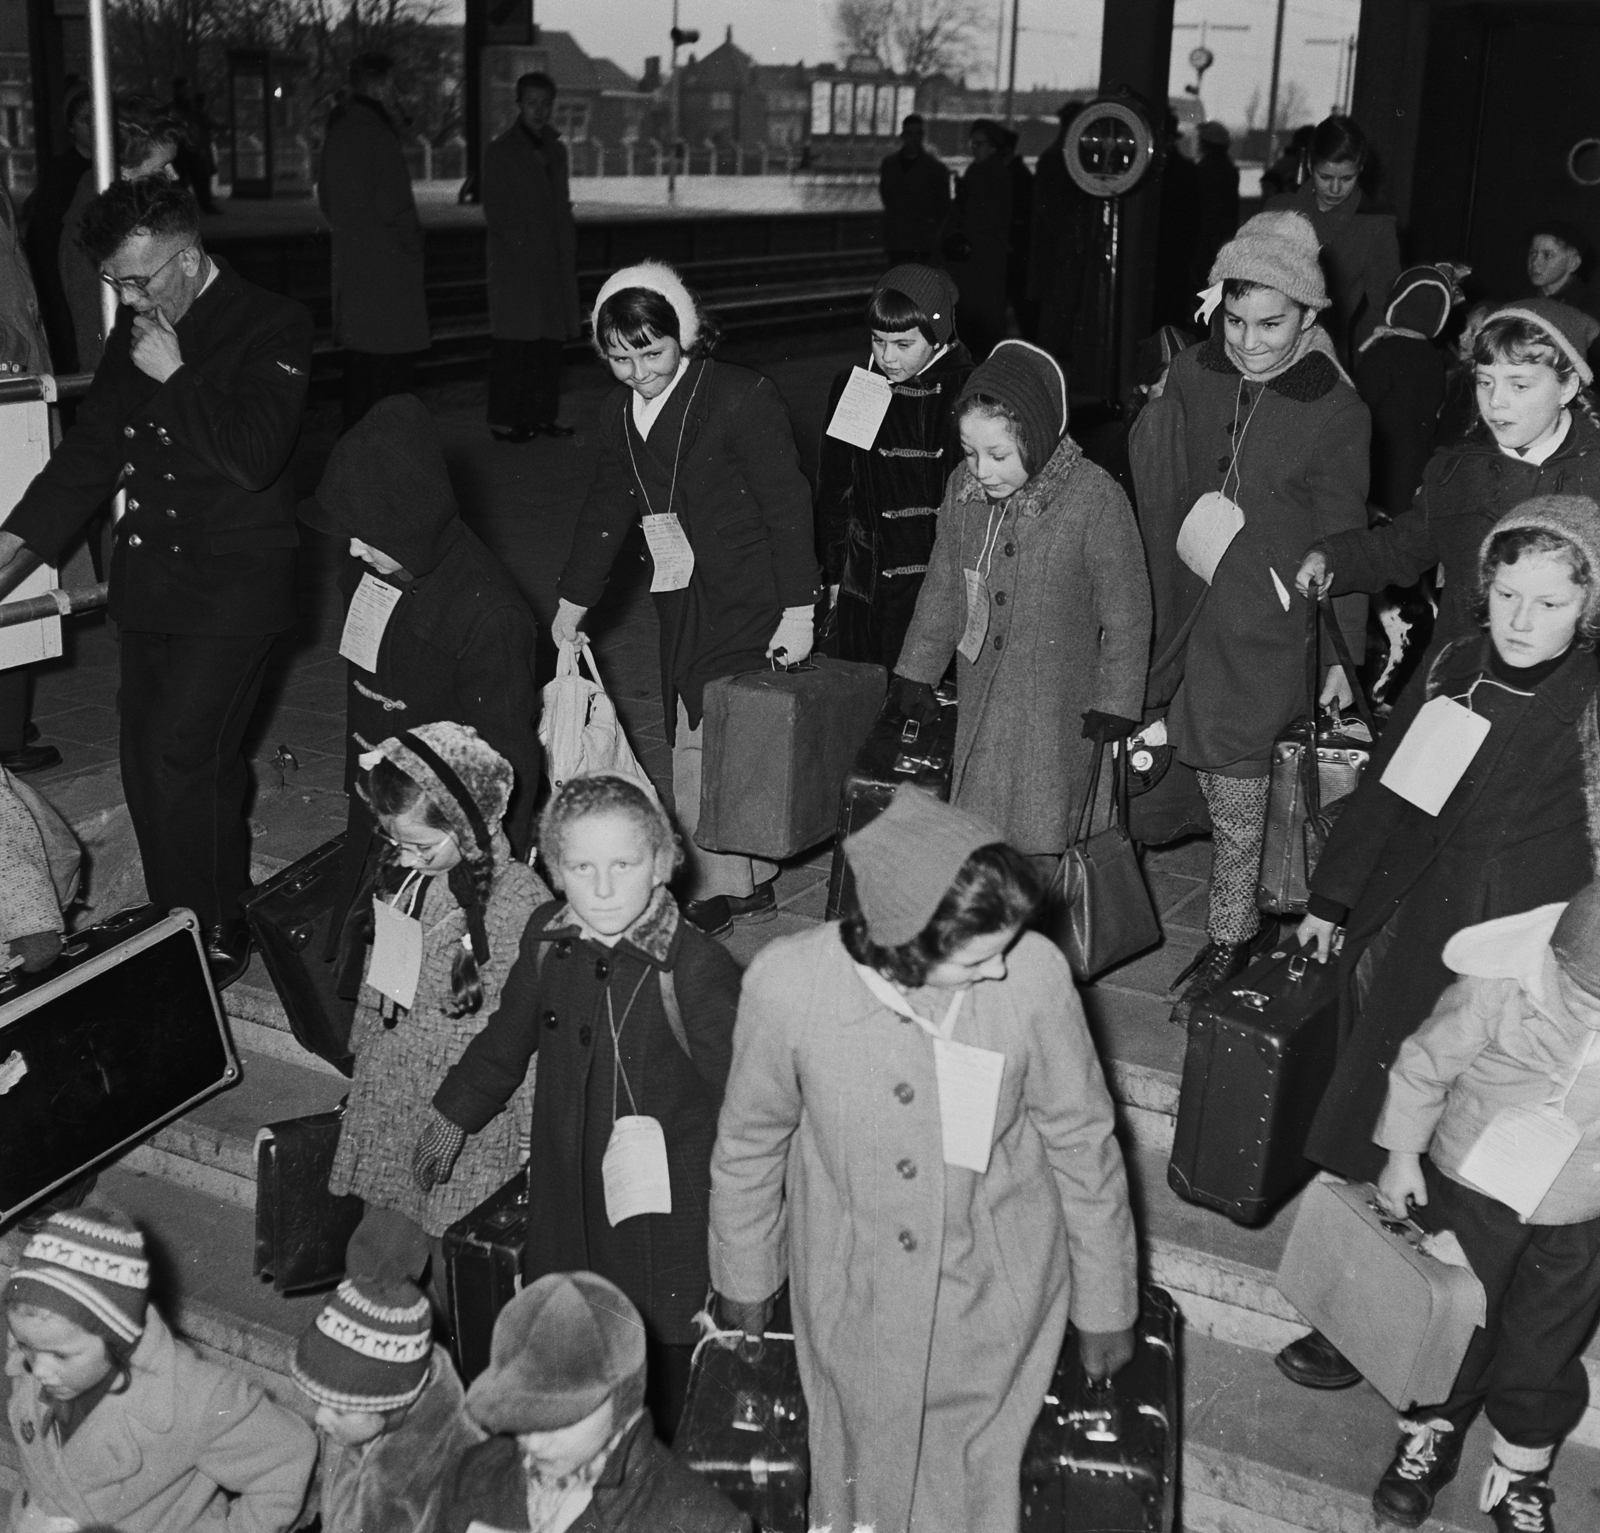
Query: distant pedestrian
{"points": [[43, 216], [1019, 248], [1060, 268], [533, 272], [977, 247], [914, 184], [380, 311], [1218, 179], [1180, 273]]}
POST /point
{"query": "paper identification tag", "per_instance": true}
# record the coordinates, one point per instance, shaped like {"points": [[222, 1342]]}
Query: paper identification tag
{"points": [[861, 408], [396, 953], [1208, 531], [669, 552], [969, 1096], [634, 1170], [1435, 753], [1519, 1156], [977, 629], [33, 1520], [366, 620]]}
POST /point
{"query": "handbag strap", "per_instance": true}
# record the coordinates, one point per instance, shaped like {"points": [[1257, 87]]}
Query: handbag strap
{"points": [[1119, 793], [1342, 650]]}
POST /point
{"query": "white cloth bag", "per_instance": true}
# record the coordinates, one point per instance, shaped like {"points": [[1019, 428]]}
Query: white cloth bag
{"points": [[579, 728]]}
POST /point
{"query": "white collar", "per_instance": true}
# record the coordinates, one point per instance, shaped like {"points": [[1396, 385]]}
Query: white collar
{"points": [[1547, 448], [645, 410]]}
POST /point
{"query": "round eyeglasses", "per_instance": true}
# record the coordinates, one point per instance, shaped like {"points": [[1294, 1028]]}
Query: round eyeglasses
{"points": [[141, 285]]}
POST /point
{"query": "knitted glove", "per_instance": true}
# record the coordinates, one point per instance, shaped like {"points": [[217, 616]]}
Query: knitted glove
{"points": [[914, 700], [1106, 727], [439, 1144], [791, 640], [37, 950], [565, 629]]}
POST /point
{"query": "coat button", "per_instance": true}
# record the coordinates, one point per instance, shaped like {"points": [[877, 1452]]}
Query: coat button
{"points": [[127, 468], [1011, 548], [171, 512], [906, 1168], [908, 1241], [999, 598], [1222, 463], [27, 1431], [563, 947], [133, 505], [602, 968], [904, 1092], [127, 430], [176, 549], [585, 1033], [171, 479], [135, 541], [999, 641], [550, 1020]]}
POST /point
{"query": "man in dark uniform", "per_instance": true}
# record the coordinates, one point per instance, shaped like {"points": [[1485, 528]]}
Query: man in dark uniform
{"points": [[194, 412]]}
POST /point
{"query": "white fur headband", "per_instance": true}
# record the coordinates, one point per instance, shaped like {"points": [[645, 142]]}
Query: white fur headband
{"points": [[656, 277]]}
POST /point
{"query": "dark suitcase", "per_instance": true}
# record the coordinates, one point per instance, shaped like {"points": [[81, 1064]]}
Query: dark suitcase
{"points": [[301, 1227], [289, 916], [120, 1035], [744, 1428], [777, 746], [483, 1257], [897, 750], [1260, 1054], [1105, 1460]]}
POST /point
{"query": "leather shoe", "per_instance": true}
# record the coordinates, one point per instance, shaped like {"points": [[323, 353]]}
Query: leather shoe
{"points": [[555, 428], [31, 758], [761, 904], [227, 952], [1217, 963], [1424, 1462], [1315, 1363], [519, 434], [712, 916]]}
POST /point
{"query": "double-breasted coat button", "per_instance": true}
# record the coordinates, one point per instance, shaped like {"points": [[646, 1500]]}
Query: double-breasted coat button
{"points": [[170, 478], [176, 549], [127, 469], [904, 1092], [999, 641], [1222, 463], [999, 598], [1011, 548], [906, 1168], [127, 430], [171, 512], [135, 541], [585, 1033], [908, 1241], [602, 967], [133, 505], [550, 1020]]}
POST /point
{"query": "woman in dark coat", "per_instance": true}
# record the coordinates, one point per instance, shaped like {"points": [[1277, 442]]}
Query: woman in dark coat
{"points": [[1360, 248], [706, 452], [1519, 829], [977, 248]]}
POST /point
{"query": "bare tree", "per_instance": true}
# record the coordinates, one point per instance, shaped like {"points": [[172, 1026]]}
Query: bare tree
{"points": [[1252, 110], [1294, 106], [911, 37]]}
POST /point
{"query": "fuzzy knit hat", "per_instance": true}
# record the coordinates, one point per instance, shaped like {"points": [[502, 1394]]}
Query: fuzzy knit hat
{"points": [[1279, 250], [932, 291], [1029, 382], [905, 861], [1576, 940], [368, 1350], [1573, 517], [1421, 299], [1570, 330], [654, 277], [89, 1265], [561, 1348]]}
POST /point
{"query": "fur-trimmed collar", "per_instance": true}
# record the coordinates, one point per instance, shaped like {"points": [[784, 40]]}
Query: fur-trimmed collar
{"points": [[1037, 494], [1310, 379], [650, 936]]}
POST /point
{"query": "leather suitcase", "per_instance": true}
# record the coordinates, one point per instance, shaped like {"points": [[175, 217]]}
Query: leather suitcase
{"points": [[896, 750], [289, 917], [123, 1033], [1404, 1318], [744, 1428], [1297, 827], [1260, 1054], [302, 1229], [483, 1258], [1105, 1460], [777, 746]]}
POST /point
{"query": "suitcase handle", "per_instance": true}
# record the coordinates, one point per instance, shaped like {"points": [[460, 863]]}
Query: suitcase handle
{"points": [[1100, 1419]]}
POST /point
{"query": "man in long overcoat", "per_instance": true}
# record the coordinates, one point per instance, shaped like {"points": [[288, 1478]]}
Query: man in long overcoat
{"points": [[533, 273], [380, 315], [914, 185], [1060, 268]]}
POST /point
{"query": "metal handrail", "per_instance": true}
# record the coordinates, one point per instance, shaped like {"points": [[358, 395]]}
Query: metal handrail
{"points": [[19, 388], [53, 604]]}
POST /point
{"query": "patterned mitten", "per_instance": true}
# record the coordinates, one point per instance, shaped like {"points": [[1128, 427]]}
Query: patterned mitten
{"points": [[437, 1148]]}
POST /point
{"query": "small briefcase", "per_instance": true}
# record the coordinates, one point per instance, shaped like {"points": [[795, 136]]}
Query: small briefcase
{"points": [[302, 1229], [777, 746], [483, 1258], [1404, 1318]]}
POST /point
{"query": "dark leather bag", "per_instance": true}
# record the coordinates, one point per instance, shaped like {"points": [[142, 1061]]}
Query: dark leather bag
{"points": [[1099, 911], [302, 1229]]}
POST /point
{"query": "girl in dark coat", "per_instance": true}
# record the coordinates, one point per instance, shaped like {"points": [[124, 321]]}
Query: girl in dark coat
{"points": [[630, 1011], [877, 507], [704, 452], [1518, 829]]}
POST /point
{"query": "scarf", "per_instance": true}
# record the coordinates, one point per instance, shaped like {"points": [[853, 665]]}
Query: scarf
{"points": [[1312, 338]]}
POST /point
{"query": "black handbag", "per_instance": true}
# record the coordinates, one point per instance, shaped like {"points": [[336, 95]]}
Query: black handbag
{"points": [[302, 1229], [1099, 911]]}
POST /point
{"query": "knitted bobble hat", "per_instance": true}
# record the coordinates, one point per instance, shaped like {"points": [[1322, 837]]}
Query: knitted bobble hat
{"points": [[1278, 250], [1576, 518], [1570, 330], [654, 277], [1029, 382], [89, 1266], [368, 1350], [932, 291], [1576, 940]]}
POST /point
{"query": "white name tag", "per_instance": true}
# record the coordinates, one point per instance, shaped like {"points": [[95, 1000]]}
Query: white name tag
{"points": [[634, 1170], [1435, 753], [1208, 531], [366, 620], [977, 629], [969, 1096], [669, 552], [861, 408], [1519, 1156], [396, 953]]}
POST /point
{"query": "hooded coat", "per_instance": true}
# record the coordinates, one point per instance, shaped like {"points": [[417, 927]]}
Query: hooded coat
{"points": [[1518, 830], [1400, 379], [533, 242]]}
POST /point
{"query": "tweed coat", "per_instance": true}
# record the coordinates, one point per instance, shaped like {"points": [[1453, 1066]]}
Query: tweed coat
{"points": [[1069, 632], [560, 1007], [1293, 454], [1520, 829], [929, 1302], [364, 189], [399, 1068], [158, 1456], [533, 242]]}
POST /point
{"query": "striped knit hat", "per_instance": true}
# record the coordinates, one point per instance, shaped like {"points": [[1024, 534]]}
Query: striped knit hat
{"points": [[88, 1265], [368, 1350]]}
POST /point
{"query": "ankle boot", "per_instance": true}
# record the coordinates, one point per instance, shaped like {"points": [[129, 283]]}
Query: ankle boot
{"points": [[1424, 1462], [1518, 1502], [1217, 963]]}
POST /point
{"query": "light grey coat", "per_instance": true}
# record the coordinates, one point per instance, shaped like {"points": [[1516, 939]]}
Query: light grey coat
{"points": [[930, 1302]]}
